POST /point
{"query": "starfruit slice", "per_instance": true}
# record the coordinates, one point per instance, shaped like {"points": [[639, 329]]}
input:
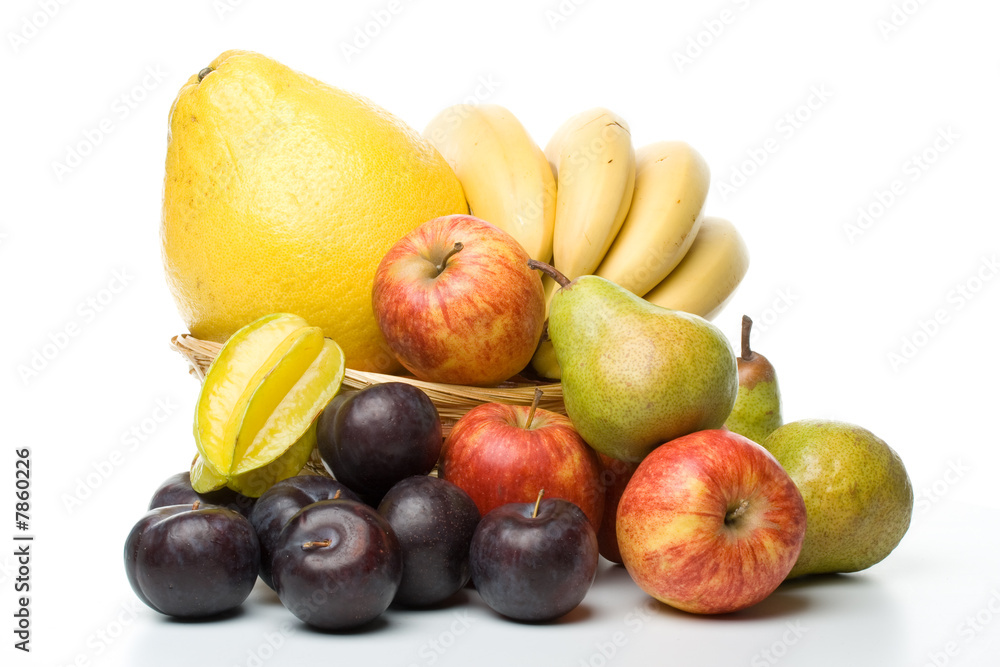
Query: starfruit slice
{"points": [[203, 479], [230, 382], [255, 421], [255, 482], [277, 415]]}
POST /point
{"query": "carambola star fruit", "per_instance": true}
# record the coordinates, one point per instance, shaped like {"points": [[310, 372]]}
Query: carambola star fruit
{"points": [[255, 419]]}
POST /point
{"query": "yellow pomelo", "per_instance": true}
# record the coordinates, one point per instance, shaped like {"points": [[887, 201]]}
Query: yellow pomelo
{"points": [[282, 194]]}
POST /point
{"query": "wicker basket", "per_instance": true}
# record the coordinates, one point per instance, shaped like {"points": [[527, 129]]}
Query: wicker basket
{"points": [[451, 400]]}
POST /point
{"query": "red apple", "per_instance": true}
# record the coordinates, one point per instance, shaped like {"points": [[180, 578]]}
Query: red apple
{"points": [[710, 523], [457, 303], [615, 475], [501, 454]]}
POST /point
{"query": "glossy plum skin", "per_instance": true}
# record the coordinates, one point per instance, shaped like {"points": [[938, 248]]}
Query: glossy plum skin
{"points": [[192, 561], [375, 437], [434, 521], [176, 490], [534, 568], [280, 503], [337, 565]]}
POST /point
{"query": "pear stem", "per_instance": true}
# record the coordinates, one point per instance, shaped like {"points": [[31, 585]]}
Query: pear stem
{"points": [[733, 515], [746, 353], [203, 73], [534, 406], [552, 271], [444, 260], [319, 544], [538, 501]]}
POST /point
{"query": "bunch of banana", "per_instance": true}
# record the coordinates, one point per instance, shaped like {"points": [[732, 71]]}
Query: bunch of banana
{"points": [[595, 205], [506, 178]]}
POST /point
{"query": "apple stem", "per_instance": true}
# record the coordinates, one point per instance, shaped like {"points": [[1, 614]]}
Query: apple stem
{"points": [[196, 505], [538, 501], [203, 73], [746, 352], [736, 513], [318, 544], [552, 271], [444, 260], [534, 406]]}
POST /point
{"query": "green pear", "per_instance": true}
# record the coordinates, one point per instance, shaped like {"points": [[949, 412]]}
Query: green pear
{"points": [[635, 375], [858, 496], [758, 403]]}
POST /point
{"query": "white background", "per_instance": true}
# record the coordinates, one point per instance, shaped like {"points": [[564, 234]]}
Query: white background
{"points": [[831, 308]]}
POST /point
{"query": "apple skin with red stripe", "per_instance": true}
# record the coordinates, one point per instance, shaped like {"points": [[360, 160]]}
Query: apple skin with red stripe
{"points": [[710, 523], [502, 454], [457, 302]]}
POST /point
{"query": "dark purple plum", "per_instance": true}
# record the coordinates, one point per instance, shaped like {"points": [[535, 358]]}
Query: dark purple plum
{"points": [[373, 438], [192, 561], [532, 566], [280, 503], [337, 565], [176, 490], [434, 521]]}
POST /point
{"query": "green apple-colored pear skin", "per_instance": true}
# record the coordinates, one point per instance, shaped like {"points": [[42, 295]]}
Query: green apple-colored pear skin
{"points": [[635, 375], [858, 496], [758, 403]]}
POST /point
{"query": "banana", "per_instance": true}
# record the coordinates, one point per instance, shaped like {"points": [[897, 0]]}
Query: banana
{"points": [[671, 184], [708, 275], [594, 163], [507, 179]]}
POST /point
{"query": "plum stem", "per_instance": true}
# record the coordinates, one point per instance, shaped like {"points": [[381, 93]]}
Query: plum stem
{"points": [[746, 353], [552, 271], [538, 501], [444, 260], [196, 505], [336, 496], [534, 406], [733, 515], [318, 544]]}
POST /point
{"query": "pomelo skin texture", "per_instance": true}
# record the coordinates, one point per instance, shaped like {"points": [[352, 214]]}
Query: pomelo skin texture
{"points": [[858, 496], [282, 194]]}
